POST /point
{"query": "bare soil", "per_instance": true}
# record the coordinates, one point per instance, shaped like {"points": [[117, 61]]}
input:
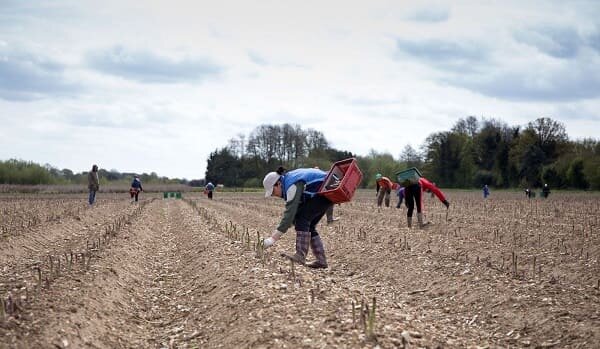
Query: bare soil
{"points": [[505, 272]]}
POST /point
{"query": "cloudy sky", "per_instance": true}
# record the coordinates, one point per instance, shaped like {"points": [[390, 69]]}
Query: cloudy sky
{"points": [[145, 86]]}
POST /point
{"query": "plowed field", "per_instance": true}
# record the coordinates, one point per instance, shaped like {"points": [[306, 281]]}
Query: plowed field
{"points": [[506, 272]]}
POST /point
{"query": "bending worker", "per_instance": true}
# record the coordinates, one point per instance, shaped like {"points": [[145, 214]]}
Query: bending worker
{"points": [[414, 195], [384, 189], [303, 208]]}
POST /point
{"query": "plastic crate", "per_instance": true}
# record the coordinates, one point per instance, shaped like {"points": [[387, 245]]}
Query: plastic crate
{"points": [[408, 176], [341, 181]]}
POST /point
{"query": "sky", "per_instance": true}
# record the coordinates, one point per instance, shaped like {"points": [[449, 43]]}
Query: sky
{"points": [[155, 86]]}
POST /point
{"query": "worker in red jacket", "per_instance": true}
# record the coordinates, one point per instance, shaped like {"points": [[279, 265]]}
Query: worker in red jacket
{"points": [[414, 195], [384, 189]]}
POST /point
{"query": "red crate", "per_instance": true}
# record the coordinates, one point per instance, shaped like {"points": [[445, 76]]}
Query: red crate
{"points": [[349, 176]]}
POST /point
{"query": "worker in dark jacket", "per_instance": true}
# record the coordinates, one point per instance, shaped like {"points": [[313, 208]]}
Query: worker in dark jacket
{"points": [[545, 191], [93, 184], [486, 191], [209, 189], [136, 188]]}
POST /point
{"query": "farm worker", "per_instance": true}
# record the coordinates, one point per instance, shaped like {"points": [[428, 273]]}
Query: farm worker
{"points": [[400, 193], [546, 191], [414, 195], [93, 184], [329, 214], [528, 193], [384, 188], [209, 188], [303, 208], [486, 191], [136, 188]]}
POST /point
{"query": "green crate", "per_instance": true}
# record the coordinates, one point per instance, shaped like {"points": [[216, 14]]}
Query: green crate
{"points": [[409, 176], [165, 195]]}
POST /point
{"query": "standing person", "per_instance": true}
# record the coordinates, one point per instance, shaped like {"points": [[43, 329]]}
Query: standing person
{"points": [[528, 193], [136, 188], [329, 213], [303, 208], [330, 217], [93, 184], [486, 191], [414, 196], [545, 191], [400, 193], [384, 189], [209, 188]]}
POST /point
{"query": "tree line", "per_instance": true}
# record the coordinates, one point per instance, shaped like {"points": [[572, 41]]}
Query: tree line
{"points": [[473, 153], [16, 171], [245, 160]]}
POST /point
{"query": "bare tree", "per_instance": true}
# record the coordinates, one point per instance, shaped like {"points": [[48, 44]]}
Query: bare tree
{"points": [[551, 136], [410, 156], [468, 126]]}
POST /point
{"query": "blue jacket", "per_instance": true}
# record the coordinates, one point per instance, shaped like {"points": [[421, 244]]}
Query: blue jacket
{"points": [[136, 184], [210, 186], [312, 178]]}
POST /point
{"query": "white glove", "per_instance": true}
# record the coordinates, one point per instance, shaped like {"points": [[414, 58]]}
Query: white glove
{"points": [[268, 242]]}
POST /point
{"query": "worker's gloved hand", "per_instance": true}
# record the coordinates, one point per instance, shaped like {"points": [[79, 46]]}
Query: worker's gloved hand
{"points": [[268, 242], [446, 203]]}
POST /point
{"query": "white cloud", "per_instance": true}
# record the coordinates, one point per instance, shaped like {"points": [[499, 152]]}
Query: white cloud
{"points": [[156, 85]]}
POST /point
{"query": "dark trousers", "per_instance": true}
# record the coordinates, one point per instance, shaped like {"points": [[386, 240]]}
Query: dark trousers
{"points": [[310, 213], [210, 194], [134, 193], [329, 214], [412, 194]]}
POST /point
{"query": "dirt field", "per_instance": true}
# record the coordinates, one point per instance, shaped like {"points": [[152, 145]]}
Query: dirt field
{"points": [[507, 272]]}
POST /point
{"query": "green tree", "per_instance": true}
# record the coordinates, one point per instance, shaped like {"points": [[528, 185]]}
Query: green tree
{"points": [[576, 175]]}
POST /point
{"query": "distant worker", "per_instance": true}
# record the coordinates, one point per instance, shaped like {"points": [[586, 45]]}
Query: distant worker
{"points": [[400, 194], [528, 193], [208, 189], [136, 188], [414, 196], [486, 191], [384, 189], [303, 208], [545, 191], [330, 217], [93, 184], [329, 212]]}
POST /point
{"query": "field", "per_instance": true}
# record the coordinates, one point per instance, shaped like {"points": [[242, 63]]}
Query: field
{"points": [[506, 272]]}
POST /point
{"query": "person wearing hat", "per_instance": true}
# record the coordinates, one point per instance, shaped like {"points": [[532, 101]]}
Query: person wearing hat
{"points": [[303, 207], [136, 188], [384, 189], [545, 191]]}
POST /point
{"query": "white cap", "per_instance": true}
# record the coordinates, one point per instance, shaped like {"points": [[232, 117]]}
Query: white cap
{"points": [[270, 179]]}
